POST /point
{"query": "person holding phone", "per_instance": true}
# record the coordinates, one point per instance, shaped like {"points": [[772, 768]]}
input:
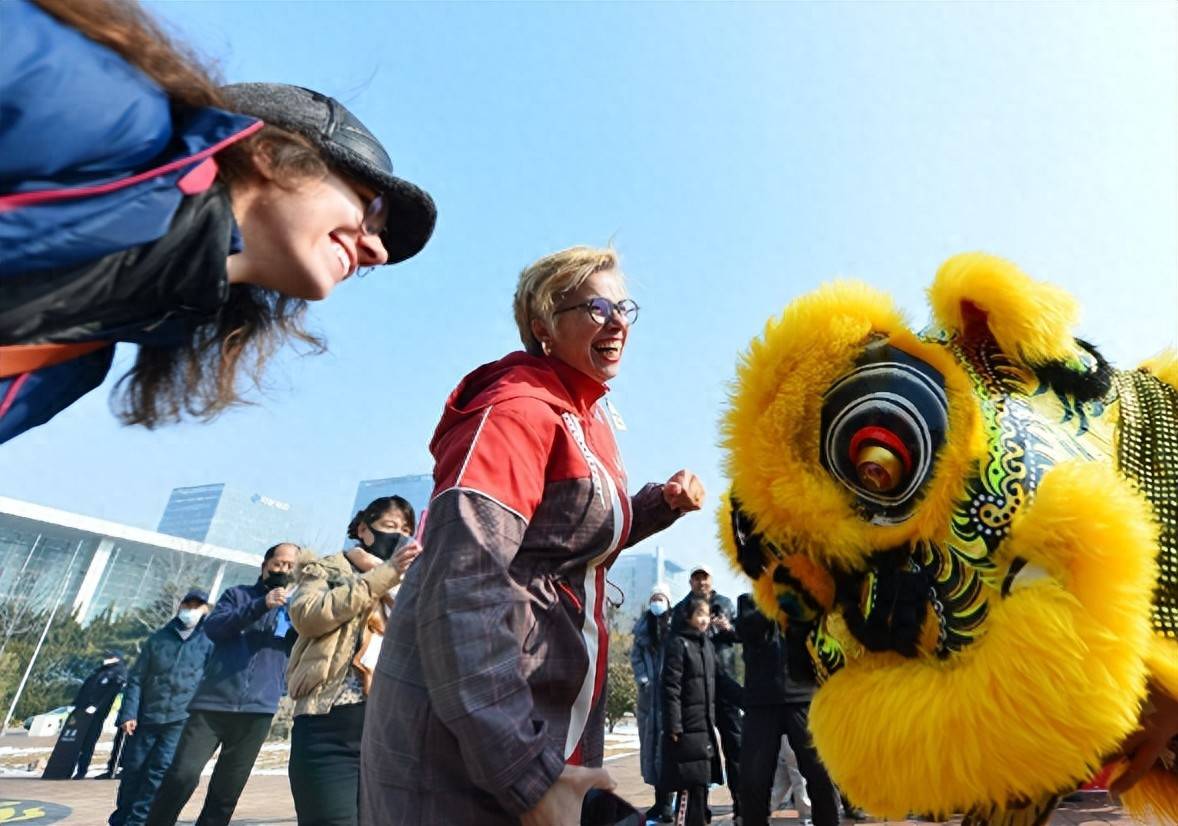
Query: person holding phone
{"points": [[337, 608], [238, 693]]}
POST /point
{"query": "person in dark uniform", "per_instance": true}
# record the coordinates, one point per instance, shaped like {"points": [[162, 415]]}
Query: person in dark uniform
{"points": [[777, 695], [75, 747]]}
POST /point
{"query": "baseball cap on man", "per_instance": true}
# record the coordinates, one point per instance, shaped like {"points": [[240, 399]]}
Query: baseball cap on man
{"points": [[196, 595], [349, 145], [701, 569]]}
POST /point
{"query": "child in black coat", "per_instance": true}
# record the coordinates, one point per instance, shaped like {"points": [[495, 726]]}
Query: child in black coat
{"points": [[691, 755]]}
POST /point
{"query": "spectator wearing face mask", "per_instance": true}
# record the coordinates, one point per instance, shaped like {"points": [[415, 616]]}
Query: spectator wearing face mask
{"points": [[339, 611], [646, 658], [235, 702], [155, 705]]}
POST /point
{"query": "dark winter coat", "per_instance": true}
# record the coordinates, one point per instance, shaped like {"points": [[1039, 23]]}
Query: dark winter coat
{"points": [[724, 642], [768, 679], [646, 658], [689, 711], [247, 670], [101, 688], [165, 676], [110, 227]]}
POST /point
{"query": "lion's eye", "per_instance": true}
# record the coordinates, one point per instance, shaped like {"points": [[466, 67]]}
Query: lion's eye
{"points": [[881, 460], [882, 425]]}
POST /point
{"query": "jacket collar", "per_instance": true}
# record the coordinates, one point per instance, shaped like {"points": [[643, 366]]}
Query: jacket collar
{"points": [[584, 391]]}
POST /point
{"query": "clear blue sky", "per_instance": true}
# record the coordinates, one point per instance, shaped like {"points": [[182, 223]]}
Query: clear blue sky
{"points": [[736, 155]]}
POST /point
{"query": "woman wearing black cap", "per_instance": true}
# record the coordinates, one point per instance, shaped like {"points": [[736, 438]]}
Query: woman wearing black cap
{"points": [[139, 202]]}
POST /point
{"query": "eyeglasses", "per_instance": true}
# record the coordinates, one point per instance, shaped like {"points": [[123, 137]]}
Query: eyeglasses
{"points": [[376, 216], [602, 309]]}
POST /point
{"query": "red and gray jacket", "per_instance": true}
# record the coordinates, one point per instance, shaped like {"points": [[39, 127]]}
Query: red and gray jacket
{"points": [[492, 673]]}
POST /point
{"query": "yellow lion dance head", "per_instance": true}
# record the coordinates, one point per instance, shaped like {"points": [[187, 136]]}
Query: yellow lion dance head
{"points": [[975, 527]]}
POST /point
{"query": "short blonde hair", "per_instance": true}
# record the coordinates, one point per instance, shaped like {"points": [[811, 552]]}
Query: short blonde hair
{"points": [[543, 283]]}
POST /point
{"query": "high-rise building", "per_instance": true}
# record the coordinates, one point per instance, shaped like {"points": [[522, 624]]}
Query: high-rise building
{"points": [[416, 489], [637, 573], [231, 518]]}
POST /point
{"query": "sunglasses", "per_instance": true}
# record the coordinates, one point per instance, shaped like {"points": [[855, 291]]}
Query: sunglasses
{"points": [[602, 309], [376, 216]]}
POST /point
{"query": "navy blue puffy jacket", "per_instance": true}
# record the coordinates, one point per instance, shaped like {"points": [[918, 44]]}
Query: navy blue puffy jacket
{"points": [[92, 153], [165, 676], [247, 671]]}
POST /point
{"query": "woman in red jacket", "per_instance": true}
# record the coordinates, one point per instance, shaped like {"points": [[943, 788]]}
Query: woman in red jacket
{"points": [[487, 704]]}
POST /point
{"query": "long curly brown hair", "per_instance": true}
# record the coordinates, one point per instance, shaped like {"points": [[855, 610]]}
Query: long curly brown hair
{"points": [[205, 375]]}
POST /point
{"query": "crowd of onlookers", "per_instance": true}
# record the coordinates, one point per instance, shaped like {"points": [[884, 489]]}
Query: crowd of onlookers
{"points": [[212, 679], [692, 709]]}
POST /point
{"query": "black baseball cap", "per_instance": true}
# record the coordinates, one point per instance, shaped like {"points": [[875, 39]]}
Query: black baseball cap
{"points": [[348, 144], [196, 594]]}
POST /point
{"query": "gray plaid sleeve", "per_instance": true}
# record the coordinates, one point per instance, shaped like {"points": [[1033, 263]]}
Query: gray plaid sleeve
{"points": [[651, 513], [469, 606]]}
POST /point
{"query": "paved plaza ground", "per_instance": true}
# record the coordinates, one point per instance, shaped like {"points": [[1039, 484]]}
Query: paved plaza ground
{"points": [[267, 800]]}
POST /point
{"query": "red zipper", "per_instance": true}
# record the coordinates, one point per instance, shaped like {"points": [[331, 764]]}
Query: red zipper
{"points": [[564, 586]]}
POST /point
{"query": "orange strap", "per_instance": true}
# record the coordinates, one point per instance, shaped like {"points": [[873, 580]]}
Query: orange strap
{"points": [[25, 358]]}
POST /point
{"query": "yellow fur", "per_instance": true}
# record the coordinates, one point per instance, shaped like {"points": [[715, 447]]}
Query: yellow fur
{"points": [[1154, 800], [724, 530], [1032, 707], [816, 579], [1164, 365], [770, 430], [1163, 663], [1031, 320]]}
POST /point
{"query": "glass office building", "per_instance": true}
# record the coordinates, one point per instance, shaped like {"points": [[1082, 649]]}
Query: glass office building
{"points": [[87, 565], [636, 573], [226, 516], [416, 489]]}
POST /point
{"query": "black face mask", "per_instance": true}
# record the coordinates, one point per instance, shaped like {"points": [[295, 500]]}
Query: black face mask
{"points": [[385, 544], [276, 579]]}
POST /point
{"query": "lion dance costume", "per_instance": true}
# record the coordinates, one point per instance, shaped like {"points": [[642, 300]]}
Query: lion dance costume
{"points": [[971, 532]]}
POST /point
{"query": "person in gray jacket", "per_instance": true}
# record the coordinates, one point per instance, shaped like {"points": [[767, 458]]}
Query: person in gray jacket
{"points": [[646, 658], [155, 705]]}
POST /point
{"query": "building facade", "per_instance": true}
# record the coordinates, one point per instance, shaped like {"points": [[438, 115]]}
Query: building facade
{"points": [[416, 489], [636, 573], [88, 566], [232, 518]]}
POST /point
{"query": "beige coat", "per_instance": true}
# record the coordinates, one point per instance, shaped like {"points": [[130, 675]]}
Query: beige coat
{"points": [[330, 610]]}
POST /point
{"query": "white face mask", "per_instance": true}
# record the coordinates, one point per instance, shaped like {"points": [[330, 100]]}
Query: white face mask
{"points": [[658, 607], [189, 617]]}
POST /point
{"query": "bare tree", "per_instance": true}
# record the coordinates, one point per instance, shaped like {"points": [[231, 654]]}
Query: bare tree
{"points": [[21, 607], [168, 578]]}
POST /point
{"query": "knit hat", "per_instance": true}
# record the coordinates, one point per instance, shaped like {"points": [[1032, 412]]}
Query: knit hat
{"points": [[348, 144], [660, 589]]}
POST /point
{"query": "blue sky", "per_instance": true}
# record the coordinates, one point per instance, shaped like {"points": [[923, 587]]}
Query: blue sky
{"points": [[736, 154]]}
